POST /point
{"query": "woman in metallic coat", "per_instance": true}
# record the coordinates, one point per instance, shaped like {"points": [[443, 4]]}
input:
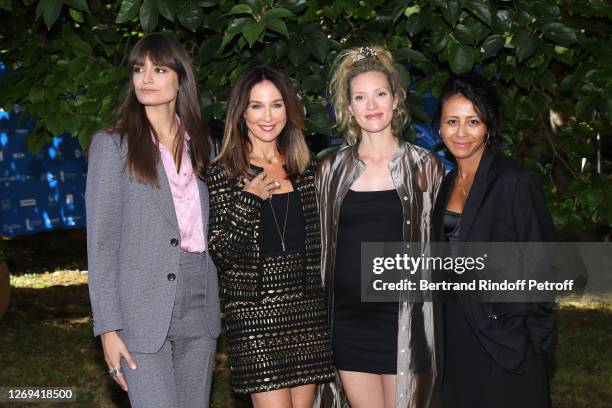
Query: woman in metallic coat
{"points": [[378, 188]]}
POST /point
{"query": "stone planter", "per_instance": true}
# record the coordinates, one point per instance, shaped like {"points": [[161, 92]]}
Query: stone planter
{"points": [[5, 288]]}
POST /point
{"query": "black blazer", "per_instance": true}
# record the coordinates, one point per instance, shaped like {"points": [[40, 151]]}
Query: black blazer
{"points": [[506, 204]]}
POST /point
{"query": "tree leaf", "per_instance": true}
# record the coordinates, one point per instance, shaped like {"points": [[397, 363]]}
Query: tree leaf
{"points": [[281, 49], [76, 15], [451, 12], [559, 33], [524, 78], [318, 45], [234, 28], [313, 83], [240, 9], [252, 31], [276, 13], [438, 39], [149, 15], [298, 55], [127, 11], [6, 5], [295, 6], [568, 83], [525, 44], [37, 139], [50, 10], [318, 121], [464, 34], [416, 23], [208, 47], [78, 65], [167, 8], [461, 58], [208, 3], [277, 25], [416, 9], [36, 94], [502, 21], [410, 55], [480, 9], [80, 5], [190, 15], [81, 49], [491, 45]]}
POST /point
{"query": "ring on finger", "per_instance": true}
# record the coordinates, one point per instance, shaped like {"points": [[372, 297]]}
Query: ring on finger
{"points": [[115, 372], [277, 184]]}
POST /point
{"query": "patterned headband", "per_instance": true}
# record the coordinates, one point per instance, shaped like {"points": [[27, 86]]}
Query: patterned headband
{"points": [[365, 52]]}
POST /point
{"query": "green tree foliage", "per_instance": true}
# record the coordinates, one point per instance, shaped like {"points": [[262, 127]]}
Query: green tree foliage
{"points": [[551, 59]]}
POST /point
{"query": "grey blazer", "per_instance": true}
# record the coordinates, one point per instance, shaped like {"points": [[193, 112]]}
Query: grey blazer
{"points": [[133, 245]]}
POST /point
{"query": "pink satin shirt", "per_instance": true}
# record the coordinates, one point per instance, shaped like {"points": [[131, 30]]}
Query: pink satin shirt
{"points": [[186, 198]]}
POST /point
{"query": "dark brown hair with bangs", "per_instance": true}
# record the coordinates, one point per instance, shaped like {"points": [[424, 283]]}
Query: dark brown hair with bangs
{"points": [[234, 154], [134, 126]]}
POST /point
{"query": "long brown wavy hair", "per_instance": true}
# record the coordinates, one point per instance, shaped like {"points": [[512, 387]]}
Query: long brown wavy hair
{"points": [[234, 153], [134, 126]]}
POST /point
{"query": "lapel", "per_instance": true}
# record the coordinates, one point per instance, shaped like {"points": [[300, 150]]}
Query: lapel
{"points": [[163, 196], [475, 196]]}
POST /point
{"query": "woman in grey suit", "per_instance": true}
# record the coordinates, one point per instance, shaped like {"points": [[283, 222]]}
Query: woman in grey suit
{"points": [[153, 287]]}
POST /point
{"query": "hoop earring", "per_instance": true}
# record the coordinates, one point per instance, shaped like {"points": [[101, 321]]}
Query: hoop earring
{"points": [[488, 140]]}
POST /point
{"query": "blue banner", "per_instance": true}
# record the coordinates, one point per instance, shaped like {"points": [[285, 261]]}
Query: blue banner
{"points": [[39, 192]]}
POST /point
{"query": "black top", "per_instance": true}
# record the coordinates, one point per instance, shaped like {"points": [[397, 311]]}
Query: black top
{"points": [[365, 216], [451, 230], [295, 232]]}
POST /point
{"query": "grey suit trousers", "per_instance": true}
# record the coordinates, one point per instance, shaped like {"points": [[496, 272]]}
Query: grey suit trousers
{"points": [[180, 373]]}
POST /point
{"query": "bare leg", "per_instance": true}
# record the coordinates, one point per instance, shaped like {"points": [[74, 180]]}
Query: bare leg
{"points": [[363, 390], [388, 381], [303, 396], [272, 399]]}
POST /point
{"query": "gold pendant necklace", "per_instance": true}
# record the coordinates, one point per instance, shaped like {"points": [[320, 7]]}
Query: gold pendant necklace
{"points": [[282, 236], [262, 158]]}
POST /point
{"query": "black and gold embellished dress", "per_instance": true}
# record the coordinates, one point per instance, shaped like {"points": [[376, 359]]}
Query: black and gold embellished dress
{"points": [[275, 313]]}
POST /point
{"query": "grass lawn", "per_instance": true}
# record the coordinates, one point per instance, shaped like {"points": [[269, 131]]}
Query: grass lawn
{"points": [[46, 338]]}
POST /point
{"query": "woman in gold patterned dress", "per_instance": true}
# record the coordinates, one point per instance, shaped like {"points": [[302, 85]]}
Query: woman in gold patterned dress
{"points": [[264, 237]]}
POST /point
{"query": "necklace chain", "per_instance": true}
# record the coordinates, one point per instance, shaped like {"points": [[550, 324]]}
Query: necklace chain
{"points": [[461, 184], [262, 158], [282, 236]]}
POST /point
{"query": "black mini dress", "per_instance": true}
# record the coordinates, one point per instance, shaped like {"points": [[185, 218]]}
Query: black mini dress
{"points": [[364, 334]]}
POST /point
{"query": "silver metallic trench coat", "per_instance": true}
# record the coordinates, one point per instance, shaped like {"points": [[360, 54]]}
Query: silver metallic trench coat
{"points": [[417, 175]]}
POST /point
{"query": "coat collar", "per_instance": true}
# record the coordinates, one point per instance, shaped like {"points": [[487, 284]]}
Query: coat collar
{"points": [[476, 194], [473, 202]]}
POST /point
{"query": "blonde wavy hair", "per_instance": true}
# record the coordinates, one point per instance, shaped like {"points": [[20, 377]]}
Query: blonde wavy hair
{"points": [[347, 66]]}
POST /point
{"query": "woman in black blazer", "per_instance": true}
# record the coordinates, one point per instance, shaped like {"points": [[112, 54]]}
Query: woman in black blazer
{"points": [[495, 354]]}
